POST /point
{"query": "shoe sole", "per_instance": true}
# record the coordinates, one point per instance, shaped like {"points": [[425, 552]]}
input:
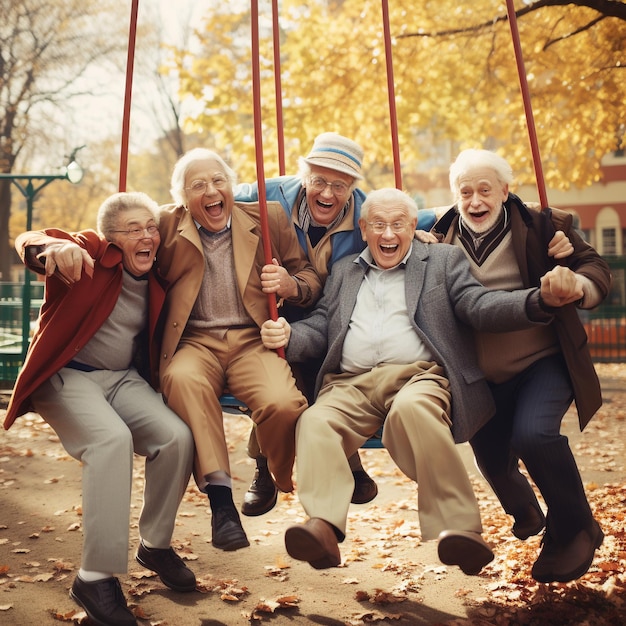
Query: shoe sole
{"points": [[582, 569], [231, 546], [304, 546], [470, 556], [165, 582], [249, 512]]}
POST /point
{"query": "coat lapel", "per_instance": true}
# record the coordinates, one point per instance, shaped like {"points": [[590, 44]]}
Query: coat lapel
{"points": [[415, 273], [245, 245]]}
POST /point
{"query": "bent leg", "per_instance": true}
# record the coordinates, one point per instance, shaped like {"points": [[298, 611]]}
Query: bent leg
{"points": [[418, 437], [543, 397], [192, 385], [327, 433], [167, 443], [75, 405]]}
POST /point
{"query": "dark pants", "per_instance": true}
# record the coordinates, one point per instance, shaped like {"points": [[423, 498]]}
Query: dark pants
{"points": [[526, 426]]}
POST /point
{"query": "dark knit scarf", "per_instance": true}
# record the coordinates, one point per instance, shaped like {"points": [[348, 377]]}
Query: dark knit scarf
{"points": [[480, 245]]}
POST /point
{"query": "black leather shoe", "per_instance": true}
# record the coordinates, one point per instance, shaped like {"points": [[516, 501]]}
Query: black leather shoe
{"points": [[228, 533], [365, 489], [563, 563], [168, 565], [466, 549], [103, 601], [261, 495], [531, 521]]}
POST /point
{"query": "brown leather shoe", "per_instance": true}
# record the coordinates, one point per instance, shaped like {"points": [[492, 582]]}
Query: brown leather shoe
{"points": [[365, 489], [563, 563], [466, 549], [261, 495], [314, 542]]}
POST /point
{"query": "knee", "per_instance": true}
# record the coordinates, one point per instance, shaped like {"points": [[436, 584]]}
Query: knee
{"points": [[283, 405]]}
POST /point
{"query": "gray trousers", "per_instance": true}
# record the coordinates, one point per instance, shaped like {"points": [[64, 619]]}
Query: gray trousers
{"points": [[102, 418], [413, 402]]}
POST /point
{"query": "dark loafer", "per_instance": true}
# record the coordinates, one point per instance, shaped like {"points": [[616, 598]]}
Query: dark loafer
{"points": [[228, 533], [261, 495], [531, 521], [103, 601], [466, 549], [314, 542], [168, 565], [564, 563], [365, 489]]}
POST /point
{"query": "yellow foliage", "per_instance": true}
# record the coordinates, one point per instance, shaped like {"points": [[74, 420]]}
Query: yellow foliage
{"points": [[455, 80]]}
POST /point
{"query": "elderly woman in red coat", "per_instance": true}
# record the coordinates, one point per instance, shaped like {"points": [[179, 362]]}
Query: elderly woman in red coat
{"points": [[102, 299]]}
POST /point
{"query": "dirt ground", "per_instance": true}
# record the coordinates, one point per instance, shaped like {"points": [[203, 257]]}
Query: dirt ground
{"points": [[388, 574]]}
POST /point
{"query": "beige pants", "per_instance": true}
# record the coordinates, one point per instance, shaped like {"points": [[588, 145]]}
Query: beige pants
{"points": [[193, 382], [413, 402]]}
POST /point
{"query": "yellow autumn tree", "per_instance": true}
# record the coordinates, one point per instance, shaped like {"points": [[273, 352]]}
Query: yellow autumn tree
{"points": [[456, 84]]}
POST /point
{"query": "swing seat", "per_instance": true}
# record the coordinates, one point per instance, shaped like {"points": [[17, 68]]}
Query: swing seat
{"points": [[232, 405]]}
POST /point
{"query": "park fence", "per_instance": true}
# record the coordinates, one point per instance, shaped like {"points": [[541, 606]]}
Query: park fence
{"points": [[605, 325]]}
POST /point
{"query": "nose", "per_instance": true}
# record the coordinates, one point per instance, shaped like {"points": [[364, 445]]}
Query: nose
{"points": [[327, 191], [476, 200]]}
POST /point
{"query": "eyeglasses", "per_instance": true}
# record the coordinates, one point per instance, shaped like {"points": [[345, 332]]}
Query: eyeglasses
{"points": [[380, 227], [317, 183], [138, 233], [199, 187]]}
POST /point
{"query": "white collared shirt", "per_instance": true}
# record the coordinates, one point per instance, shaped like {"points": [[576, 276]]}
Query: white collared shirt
{"points": [[380, 329]]}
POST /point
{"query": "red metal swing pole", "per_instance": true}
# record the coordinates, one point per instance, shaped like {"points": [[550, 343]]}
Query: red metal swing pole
{"points": [[393, 117], [278, 89], [132, 35], [258, 144], [530, 121]]}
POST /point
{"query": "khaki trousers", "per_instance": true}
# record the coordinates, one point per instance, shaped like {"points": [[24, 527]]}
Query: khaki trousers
{"points": [[413, 403], [203, 366]]}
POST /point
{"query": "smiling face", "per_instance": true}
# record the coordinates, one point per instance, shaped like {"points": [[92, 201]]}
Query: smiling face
{"points": [[137, 254], [390, 246], [211, 205], [480, 196], [326, 204]]}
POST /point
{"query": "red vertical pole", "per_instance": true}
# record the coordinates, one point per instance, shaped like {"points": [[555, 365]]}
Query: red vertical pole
{"points": [[278, 89], [393, 117], [258, 143], [132, 35], [530, 120]]}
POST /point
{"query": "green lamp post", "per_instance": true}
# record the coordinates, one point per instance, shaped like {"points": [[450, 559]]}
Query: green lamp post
{"points": [[30, 185]]}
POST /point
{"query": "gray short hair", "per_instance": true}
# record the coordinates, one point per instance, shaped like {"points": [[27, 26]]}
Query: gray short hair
{"points": [[118, 203], [389, 195], [177, 187]]}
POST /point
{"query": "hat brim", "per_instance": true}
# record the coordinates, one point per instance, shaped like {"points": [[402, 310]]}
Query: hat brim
{"points": [[333, 164]]}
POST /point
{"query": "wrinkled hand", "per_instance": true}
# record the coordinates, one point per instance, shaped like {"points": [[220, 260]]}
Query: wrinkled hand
{"points": [[425, 236], [275, 334], [560, 286], [560, 246], [276, 279], [69, 259]]}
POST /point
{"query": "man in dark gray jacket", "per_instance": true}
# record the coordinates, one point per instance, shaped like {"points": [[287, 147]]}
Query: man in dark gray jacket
{"points": [[392, 327]]}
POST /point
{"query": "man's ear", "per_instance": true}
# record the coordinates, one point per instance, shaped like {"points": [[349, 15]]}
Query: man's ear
{"points": [[362, 226]]}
